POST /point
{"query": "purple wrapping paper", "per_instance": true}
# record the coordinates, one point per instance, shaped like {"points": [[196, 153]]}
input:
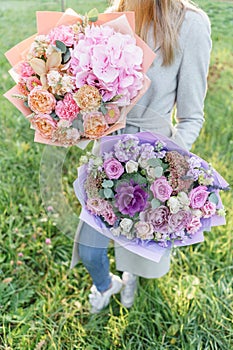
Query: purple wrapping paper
{"points": [[148, 249]]}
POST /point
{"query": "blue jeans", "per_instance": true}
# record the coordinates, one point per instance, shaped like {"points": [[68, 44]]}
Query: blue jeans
{"points": [[93, 253]]}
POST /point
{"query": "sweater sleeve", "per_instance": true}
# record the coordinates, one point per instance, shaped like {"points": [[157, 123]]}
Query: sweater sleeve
{"points": [[192, 80]]}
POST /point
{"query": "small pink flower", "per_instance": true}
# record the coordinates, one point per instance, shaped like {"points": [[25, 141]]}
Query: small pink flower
{"points": [[48, 241], [113, 113], [50, 208], [108, 214], [67, 109], [194, 225], [32, 82], [161, 189], [20, 255], [198, 197], [209, 209]]}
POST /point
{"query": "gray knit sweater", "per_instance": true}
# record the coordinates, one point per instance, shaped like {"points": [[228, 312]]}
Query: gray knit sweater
{"points": [[183, 84]]}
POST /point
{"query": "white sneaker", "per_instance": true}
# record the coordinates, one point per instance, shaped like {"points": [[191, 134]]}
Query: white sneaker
{"points": [[129, 289], [100, 300]]}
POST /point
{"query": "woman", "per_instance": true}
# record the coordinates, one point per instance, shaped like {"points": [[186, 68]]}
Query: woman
{"points": [[179, 34]]}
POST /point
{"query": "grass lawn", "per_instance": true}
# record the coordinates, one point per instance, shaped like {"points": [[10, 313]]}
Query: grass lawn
{"points": [[43, 304]]}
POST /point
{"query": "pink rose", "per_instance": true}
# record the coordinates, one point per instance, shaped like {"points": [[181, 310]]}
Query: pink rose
{"points": [[113, 168], [161, 189], [208, 209], [194, 225], [198, 197], [44, 124], [41, 101]]}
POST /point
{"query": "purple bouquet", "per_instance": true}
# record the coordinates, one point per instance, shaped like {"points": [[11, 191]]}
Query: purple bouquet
{"points": [[147, 193]]}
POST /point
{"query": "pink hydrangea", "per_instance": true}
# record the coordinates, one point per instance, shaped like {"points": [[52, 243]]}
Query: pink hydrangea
{"points": [[110, 61], [62, 33], [67, 108]]}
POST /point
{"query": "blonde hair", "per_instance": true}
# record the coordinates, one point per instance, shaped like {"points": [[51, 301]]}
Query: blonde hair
{"points": [[166, 17]]}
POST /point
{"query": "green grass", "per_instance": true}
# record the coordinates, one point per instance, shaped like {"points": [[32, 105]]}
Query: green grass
{"points": [[43, 304]]}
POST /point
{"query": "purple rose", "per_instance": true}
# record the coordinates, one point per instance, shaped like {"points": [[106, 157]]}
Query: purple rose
{"points": [[198, 197], [179, 221], [130, 198], [113, 168], [161, 189], [158, 218]]}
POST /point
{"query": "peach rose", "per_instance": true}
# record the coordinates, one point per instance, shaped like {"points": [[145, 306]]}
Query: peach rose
{"points": [[41, 101], [44, 124], [94, 125]]}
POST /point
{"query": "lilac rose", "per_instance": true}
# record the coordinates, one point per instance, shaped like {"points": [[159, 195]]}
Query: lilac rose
{"points": [[113, 168], [161, 189], [198, 197], [158, 218], [130, 198], [179, 221]]}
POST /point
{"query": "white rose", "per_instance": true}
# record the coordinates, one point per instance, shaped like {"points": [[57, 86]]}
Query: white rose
{"points": [[131, 166], [126, 225], [63, 123], [143, 162], [144, 230], [174, 204], [197, 212], [183, 199], [151, 172], [116, 231]]}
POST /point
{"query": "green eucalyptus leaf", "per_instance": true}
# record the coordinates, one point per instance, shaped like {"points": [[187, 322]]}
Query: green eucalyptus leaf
{"points": [[213, 198], [103, 109], [108, 183], [61, 46], [155, 203], [93, 15], [108, 193], [158, 171], [66, 56], [78, 124]]}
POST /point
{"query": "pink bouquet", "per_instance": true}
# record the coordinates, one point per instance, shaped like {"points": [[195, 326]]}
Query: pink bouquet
{"points": [[77, 80], [146, 190]]}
